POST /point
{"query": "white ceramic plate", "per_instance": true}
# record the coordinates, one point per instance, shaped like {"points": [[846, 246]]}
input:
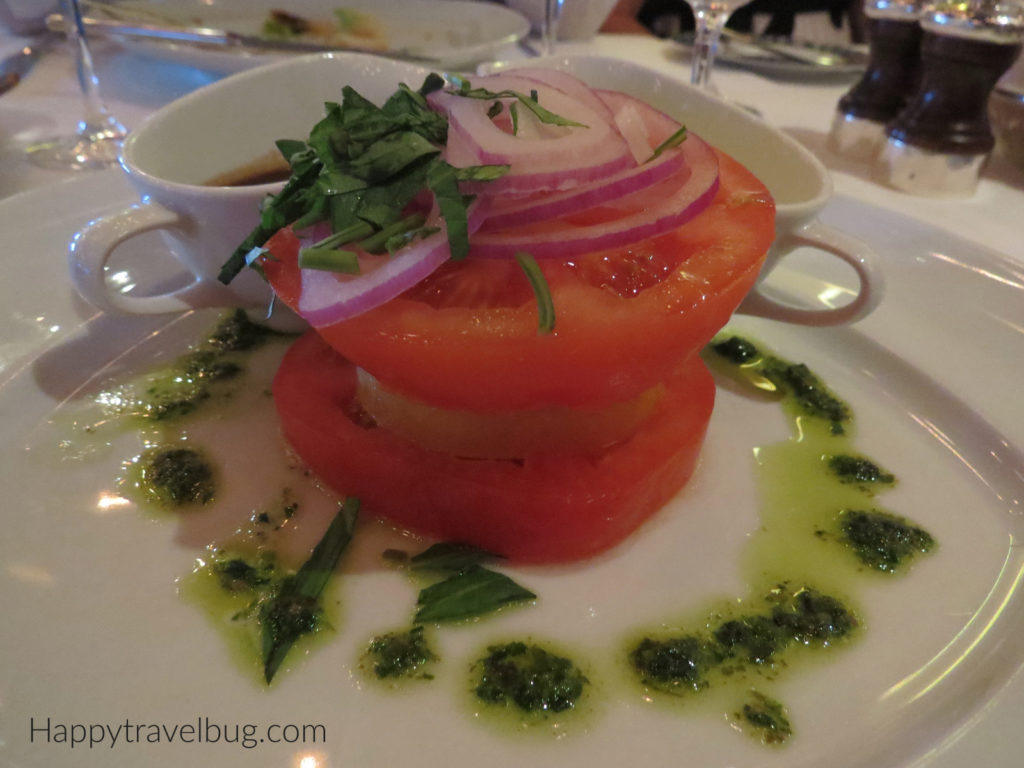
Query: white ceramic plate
{"points": [[94, 632], [451, 32]]}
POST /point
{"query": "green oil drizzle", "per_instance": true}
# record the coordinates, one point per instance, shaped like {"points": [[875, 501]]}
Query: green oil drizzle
{"points": [[815, 546]]}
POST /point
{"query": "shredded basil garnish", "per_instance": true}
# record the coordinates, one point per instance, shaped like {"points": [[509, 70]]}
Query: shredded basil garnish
{"points": [[547, 117], [360, 168], [539, 284], [674, 140], [329, 260]]}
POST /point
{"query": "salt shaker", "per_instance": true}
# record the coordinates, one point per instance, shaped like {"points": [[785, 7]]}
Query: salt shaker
{"points": [[938, 144], [858, 128]]}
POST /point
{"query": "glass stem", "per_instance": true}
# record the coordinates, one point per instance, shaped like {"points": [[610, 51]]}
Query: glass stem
{"points": [[552, 13], [710, 21], [97, 121]]}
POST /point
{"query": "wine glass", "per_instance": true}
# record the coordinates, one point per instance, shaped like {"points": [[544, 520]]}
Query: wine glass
{"points": [[97, 141], [710, 17], [552, 12]]}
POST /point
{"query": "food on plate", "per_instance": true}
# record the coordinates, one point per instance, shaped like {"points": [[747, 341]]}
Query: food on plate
{"points": [[509, 281], [348, 28]]}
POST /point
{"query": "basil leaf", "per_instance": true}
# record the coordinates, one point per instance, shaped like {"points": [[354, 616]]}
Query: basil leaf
{"points": [[390, 155], [432, 82], [544, 115], [295, 609], [444, 183], [467, 594], [448, 557]]}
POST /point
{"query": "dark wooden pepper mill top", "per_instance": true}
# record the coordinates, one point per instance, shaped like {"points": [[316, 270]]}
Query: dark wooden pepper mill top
{"points": [[963, 54], [893, 66]]}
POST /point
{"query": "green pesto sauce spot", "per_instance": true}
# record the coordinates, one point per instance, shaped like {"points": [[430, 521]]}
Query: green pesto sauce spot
{"points": [[176, 477], [686, 662], [808, 392], [736, 350], [530, 678], [209, 365], [795, 381], [858, 470], [237, 333], [767, 718], [289, 614], [172, 396], [881, 540], [237, 574], [401, 654], [676, 664]]}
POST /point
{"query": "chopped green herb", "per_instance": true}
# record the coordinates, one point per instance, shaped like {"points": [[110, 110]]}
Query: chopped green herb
{"points": [[530, 678], [329, 260], [377, 243], [539, 284], [295, 609], [360, 168], [466, 90], [674, 140], [467, 594], [881, 540]]}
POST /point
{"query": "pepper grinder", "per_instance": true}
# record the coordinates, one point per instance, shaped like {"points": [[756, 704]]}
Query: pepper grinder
{"points": [[938, 144], [858, 128]]}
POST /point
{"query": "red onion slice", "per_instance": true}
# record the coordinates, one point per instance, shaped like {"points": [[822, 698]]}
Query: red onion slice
{"points": [[540, 156], [625, 108], [657, 209], [329, 298], [517, 212]]}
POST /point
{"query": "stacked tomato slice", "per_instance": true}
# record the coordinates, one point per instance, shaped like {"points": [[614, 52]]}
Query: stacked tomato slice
{"points": [[445, 410]]}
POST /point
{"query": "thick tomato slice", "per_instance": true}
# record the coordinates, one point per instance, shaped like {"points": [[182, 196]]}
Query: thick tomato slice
{"points": [[467, 337], [538, 509]]}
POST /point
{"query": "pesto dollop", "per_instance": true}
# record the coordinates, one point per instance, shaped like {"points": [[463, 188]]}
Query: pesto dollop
{"points": [[794, 381], [859, 470], [882, 540], [530, 678], [676, 663], [684, 662], [175, 477], [402, 654]]}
